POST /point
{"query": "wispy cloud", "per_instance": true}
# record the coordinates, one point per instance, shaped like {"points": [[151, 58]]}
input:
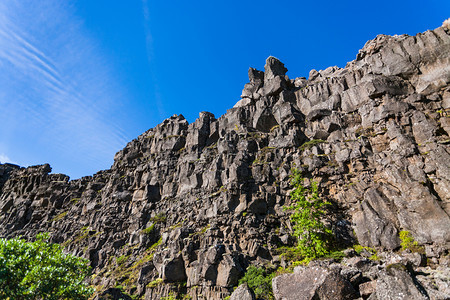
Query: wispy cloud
{"points": [[56, 84], [5, 159], [151, 57]]}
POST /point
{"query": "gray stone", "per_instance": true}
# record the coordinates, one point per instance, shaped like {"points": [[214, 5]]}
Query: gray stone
{"points": [[273, 68], [312, 283], [398, 283], [243, 292]]}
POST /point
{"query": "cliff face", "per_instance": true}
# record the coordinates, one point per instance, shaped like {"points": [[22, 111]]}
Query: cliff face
{"points": [[195, 204]]}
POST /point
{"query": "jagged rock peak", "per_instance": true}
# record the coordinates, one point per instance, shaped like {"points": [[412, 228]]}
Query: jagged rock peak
{"points": [[255, 76], [446, 24], [274, 67]]}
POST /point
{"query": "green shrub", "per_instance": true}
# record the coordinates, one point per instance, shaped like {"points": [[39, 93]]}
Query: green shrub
{"points": [[337, 255], [40, 270], [260, 281], [408, 242], [291, 254], [306, 218]]}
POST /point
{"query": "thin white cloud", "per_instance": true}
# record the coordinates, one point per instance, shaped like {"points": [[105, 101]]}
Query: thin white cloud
{"points": [[151, 56], [56, 81], [5, 159]]}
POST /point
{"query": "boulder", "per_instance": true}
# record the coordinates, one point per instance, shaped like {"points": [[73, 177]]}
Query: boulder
{"points": [[273, 68], [397, 282], [312, 283], [243, 292]]}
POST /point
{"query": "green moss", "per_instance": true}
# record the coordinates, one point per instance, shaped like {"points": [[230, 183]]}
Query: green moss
{"points": [[212, 146], [121, 259], [171, 296], [75, 200], [178, 225], [337, 255], [359, 249], [159, 218], [152, 249], [202, 231], [128, 275], [155, 283], [84, 233], [60, 216], [261, 157], [310, 144], [397, 266], [274, 127], [149, 229], [222, 189], [254, 135]]}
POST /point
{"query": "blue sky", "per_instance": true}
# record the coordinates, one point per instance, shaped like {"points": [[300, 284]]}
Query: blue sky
{"points": [[79, 79]]}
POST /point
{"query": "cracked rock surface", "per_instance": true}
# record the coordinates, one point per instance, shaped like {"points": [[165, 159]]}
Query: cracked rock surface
{"points": [[186, 208]]}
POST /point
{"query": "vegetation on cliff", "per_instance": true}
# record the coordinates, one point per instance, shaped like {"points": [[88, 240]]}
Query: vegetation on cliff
{"points": [[307, 214], [40, 270]]}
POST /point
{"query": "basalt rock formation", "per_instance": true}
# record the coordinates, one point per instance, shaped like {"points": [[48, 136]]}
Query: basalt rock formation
{"points": [[186, 208]]}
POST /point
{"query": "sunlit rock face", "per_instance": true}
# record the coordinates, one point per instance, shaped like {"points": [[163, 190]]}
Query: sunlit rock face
{"points": [[186, 208]]}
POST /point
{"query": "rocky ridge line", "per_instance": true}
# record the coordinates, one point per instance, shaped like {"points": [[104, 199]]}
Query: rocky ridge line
{"points": [[186, 208]]}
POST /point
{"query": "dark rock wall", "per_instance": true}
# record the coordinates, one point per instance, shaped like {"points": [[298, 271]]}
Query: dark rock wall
{"points": [[195, 204]]}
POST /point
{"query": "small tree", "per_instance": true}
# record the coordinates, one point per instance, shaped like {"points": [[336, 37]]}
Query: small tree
{"points": [[260, 281], [307, 213], [40, 270]]}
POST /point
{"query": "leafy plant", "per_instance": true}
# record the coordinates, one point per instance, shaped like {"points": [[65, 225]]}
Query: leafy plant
{"points": [[407, 242], [291, 254], [374, 253], [306, 218], [40, 270], [260, 281]]}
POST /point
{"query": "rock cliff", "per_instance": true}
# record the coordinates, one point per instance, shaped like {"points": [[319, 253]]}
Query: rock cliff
{"points": [[186, 208]]}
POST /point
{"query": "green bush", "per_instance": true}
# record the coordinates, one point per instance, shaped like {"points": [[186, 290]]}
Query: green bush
{"points": [[40, 270], [374, 253], [260, 281], [407, 242], [306, 218]]}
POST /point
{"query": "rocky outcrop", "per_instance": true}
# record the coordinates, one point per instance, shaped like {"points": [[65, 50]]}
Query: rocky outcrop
{"points": [[186, 208], [243, 292], [312, 283]]}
